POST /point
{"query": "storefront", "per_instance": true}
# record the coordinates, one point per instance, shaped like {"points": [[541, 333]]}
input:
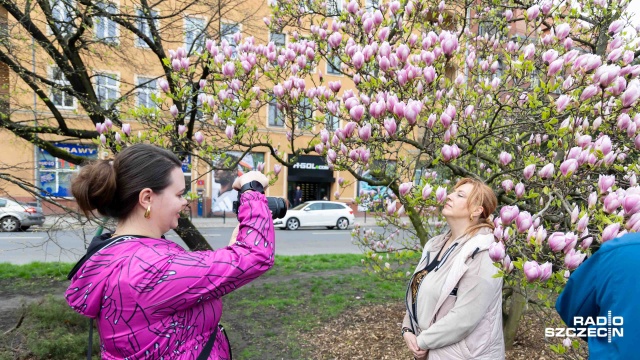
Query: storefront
{"points": [[313, 176], [56, 174]]}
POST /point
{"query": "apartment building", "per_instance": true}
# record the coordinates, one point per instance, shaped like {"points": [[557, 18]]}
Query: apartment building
{"points": [[125, 74]]}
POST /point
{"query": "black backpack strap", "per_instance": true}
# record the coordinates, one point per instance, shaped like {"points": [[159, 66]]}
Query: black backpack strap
{"points": [[206, 350]]}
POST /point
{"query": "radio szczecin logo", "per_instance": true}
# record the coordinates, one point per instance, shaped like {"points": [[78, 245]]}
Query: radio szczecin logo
{"points": [[600, 326]]}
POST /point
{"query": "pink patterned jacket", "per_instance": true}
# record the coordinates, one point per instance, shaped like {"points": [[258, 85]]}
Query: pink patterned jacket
{"points": [[154, 300]]}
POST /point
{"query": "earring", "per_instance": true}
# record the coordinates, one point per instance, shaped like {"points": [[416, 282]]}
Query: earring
{"points": [[471, 217], [147, 214]]}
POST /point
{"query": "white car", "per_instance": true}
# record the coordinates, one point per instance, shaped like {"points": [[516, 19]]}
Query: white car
{"points": [[317, 213], [16, 216]]}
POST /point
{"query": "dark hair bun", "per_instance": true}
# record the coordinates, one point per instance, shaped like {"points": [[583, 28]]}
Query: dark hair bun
{"points": [[95, 187]]}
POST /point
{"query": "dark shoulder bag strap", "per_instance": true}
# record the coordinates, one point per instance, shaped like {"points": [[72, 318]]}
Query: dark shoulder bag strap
{"points": [[206, 350]]}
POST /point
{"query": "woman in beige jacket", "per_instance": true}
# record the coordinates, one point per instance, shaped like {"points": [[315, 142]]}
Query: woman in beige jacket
{"points": [[454, 304]]}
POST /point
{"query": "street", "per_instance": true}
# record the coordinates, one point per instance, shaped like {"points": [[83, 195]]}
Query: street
{"points": [[69, 245]]}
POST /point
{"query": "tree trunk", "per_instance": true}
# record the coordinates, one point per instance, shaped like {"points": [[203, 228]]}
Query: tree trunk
{"points": [[516, 309], [191, 235]]}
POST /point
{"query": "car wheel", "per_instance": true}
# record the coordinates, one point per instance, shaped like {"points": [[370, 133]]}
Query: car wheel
{"points": [[330, 227], [24, 228], [343, 223], [293, 224], [9, 224]]}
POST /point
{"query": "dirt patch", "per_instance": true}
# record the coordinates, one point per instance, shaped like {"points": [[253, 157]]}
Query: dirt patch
{"points": [[16, 295], [372, 332]]}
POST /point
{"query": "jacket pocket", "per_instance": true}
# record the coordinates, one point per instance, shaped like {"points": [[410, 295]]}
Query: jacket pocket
{"points": [[448, 304], [479, 339]]}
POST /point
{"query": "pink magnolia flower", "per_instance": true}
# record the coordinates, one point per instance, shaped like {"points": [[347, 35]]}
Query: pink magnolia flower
{"points": [[562, 102], [545, 271], [555, 66], [605, 182], [616, 26], [508, 15], [532, 270], [508, 214], [505, 158], [582, 223], [568, 167], [497, 251], [519, 190], [611, 203], [391, 126], [507, 185], [229, 131], [173, 111], [365, 132], [557, 241], [529, 51], [198, 137], [426, 191], [181, 129], [405, 188], [589, 92], [547, 171], [630, 96], [164, 85], [533, 12], [573, 259], [529, 170], [524, 221], [562, 30], [126, 128], [276, 169], [441, 194], [356, 112], [631, 204]]}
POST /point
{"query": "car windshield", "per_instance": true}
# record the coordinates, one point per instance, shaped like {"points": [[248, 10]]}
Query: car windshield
{"points": [[299, 207]]}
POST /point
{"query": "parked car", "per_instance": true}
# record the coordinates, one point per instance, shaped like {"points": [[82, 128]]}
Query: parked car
{"points": [[317, 213], [16, 216]]}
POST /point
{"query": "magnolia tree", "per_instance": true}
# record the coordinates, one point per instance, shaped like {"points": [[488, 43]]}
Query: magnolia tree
{"points": [[537, 99]]}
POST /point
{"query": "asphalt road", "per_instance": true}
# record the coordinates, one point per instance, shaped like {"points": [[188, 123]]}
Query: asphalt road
{"points": [[69, 245]]}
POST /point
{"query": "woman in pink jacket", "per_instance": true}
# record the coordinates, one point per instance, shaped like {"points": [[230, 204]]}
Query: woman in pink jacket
{"points": [[151, 298], [454, 304]]}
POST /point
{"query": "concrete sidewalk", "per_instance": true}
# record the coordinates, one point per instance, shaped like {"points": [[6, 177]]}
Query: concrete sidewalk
{"points": [[60, 222]]}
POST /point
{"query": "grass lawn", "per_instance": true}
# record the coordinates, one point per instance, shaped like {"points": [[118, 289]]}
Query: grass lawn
{"points": [[264, 320]]}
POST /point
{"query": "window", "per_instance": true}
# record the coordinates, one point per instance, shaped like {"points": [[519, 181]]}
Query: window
{"points": [[56, 174], [276, 117], [194, 34], [334, 7], [305, 112], [315, 206], [333, 67], [279, 40], [329, 206], [3, 202], [371, 5], [62, 15], [227, 31], [186, 170], [146, 87], [105, 28], [107, 89], [60, 98], [332, 122], [143, 23]]}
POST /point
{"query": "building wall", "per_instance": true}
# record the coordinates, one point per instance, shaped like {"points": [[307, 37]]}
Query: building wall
{"points": [[18, 154]]}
